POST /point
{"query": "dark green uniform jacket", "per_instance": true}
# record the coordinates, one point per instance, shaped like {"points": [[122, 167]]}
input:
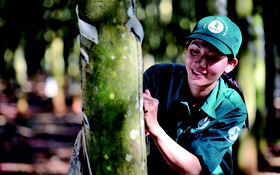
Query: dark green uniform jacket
{"points": [[207, 130]]}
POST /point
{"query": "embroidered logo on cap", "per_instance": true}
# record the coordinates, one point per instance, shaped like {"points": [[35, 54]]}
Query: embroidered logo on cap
{"points": [[233, 134], [216, 26]]}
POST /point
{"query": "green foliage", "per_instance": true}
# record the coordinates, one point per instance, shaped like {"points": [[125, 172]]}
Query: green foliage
{"points": [[166, 24]]}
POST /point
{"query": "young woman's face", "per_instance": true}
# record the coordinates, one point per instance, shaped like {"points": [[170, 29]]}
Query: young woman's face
{"points": [[205, 64]]}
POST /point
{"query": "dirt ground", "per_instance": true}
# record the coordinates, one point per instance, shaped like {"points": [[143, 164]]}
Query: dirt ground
{"points": [[40, 143]]}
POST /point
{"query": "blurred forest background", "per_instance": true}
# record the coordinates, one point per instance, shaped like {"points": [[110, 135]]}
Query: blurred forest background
{"points": [[40, 92]]}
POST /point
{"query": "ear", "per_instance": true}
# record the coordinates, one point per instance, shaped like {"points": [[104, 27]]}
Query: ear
{"points": [[231, 65]]}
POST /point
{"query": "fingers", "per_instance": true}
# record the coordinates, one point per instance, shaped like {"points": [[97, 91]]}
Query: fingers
{"points": [[147, 92], [149, 103], [150, 106], [146, 95]]}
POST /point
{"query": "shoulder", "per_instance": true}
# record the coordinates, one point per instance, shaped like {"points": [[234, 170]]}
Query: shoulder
{"points": [[166, 66], [164, 77], [166, 69]]}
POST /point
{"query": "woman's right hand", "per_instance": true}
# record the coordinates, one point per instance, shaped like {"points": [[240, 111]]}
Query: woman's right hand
{"points": [[150, 107]]}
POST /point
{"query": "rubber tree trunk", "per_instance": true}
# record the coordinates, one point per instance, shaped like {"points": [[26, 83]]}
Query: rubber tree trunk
{"points": [[113, 136]]}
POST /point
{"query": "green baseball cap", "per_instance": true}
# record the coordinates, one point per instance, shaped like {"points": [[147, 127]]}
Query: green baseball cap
{"points": [[220, 31]]}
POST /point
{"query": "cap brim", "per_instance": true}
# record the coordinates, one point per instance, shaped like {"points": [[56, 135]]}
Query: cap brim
{"points": [[212, 40]]}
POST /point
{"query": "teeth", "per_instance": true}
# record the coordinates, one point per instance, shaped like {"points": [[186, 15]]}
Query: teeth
{"points": [[197, 72]]}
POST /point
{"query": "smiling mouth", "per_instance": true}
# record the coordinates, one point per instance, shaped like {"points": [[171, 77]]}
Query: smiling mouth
{"points": [[198, 73]]}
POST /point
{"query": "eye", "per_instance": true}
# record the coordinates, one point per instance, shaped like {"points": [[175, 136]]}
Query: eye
{"points": [[194, 51], [213, 58]]}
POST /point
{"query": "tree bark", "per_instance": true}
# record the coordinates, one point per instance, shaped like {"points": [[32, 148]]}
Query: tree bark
{"points": [[112, 140]]}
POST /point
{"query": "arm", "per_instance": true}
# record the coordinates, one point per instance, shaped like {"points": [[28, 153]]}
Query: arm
{"points": [[177, 157]]}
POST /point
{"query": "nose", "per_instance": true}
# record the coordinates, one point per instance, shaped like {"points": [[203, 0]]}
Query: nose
{"points": [[201, 61]]}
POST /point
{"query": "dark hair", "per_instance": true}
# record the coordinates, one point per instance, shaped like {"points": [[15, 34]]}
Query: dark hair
{"points": [[230, 79]]}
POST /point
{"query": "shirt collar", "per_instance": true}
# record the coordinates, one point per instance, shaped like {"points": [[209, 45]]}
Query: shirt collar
{"points": [[209, 106]]}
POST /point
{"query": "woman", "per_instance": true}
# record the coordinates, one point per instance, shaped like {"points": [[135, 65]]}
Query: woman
{"points": [[192, 112]]}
